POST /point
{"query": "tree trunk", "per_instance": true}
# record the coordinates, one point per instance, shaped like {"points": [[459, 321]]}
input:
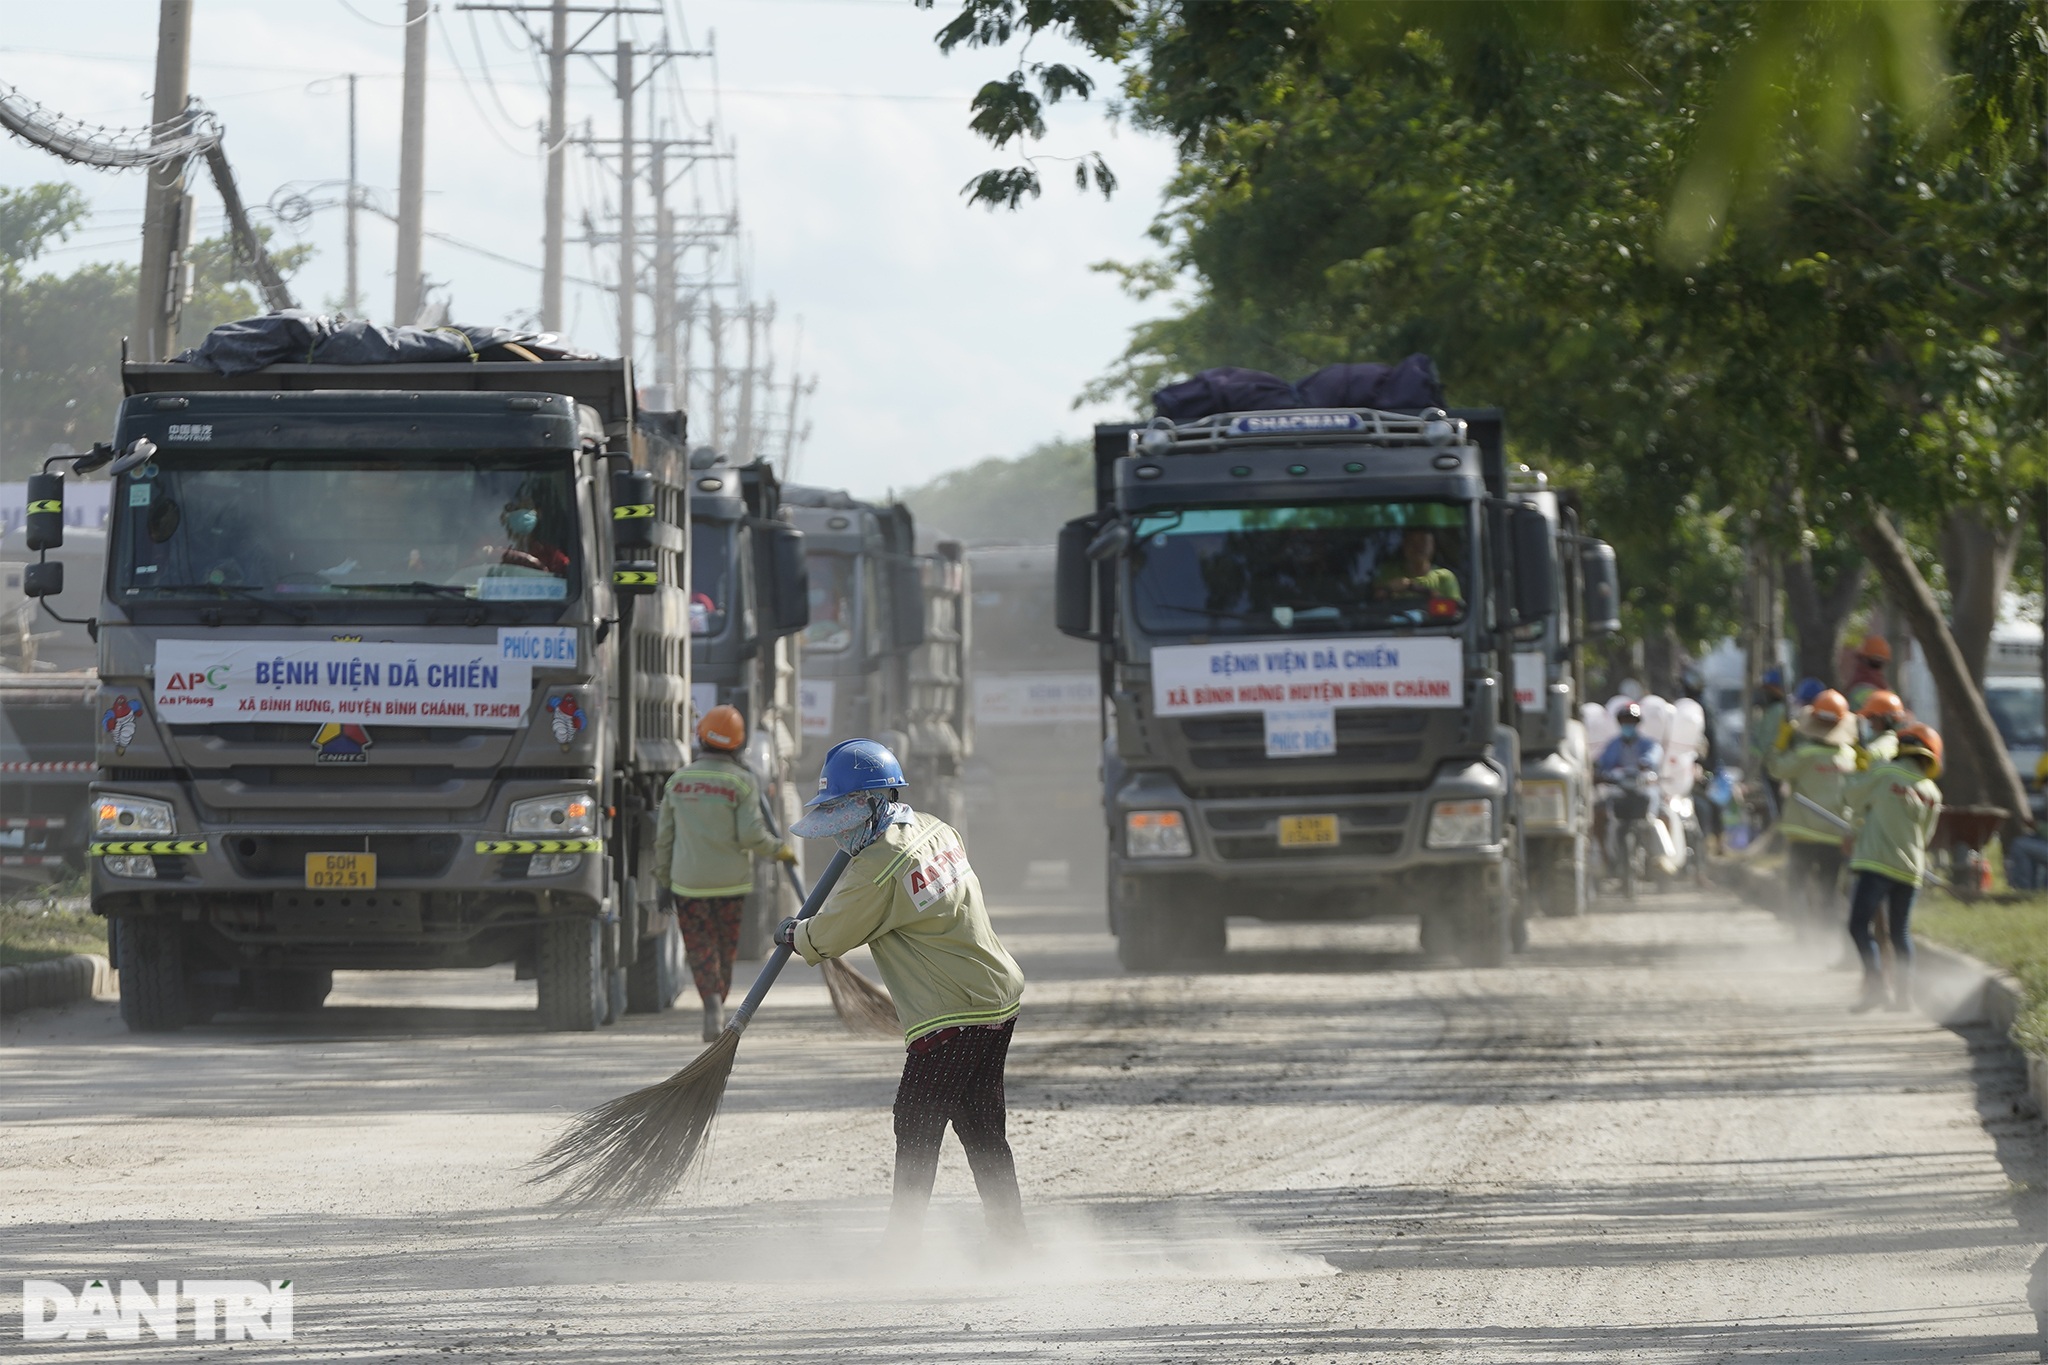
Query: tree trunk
{"points": [[1977, 550], [1817, 613], [1962, 702]]}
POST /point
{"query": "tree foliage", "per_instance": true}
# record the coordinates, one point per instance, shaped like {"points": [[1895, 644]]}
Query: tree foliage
{"points": [[1019, 501]]}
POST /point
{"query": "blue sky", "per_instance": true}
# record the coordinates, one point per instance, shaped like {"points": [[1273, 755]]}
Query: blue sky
{"points": [[939, 334]]}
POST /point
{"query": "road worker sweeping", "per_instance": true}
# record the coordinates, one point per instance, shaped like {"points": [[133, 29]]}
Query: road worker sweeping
{"points": [[910, 895], [1881, 714], [1895, 806], [1820, 759], [710, 822]]}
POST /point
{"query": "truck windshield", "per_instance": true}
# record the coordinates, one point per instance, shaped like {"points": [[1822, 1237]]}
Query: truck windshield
{"points": [[493, 529], [1316, 568], [711, 545], [833, 580]]}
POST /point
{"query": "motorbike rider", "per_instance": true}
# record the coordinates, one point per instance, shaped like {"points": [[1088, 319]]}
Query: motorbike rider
{"points": [[1629, 753], [1817, 765]]}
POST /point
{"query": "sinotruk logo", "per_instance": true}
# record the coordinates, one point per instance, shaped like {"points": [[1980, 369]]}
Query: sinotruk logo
{"points": [[219, 1310]]}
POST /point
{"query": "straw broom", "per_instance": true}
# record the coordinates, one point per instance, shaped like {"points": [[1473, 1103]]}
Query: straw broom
{"points": [[861, 1005], [632, 1151]]}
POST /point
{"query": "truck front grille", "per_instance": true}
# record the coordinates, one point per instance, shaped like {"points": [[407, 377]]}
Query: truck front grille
{"points": [[1362, 831], [1363, 737], [1238, 847], [398, 855]]}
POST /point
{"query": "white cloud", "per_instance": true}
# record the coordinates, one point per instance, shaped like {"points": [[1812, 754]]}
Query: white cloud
{"points": [[941, 334]]}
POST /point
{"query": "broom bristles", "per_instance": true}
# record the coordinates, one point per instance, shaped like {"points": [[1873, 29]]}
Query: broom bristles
{"points": [[631, 1152], [860, 1004]]}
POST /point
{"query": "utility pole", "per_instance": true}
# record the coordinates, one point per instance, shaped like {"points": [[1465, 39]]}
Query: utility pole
{"points": [[628, 269], [558, 151], [744, 441], [716, 328], [167, 213], [412, 164], [664, 269], [354, 293]]}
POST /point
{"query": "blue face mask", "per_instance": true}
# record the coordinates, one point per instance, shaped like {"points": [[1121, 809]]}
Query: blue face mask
{"points": [[1628, 732], [522, 521]]}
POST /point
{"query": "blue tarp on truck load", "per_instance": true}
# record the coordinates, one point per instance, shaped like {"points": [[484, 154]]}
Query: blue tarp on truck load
{"points": [[1407, 387], [293, 337]]}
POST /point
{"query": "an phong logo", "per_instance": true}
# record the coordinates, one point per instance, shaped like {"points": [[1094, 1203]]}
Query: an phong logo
{"points": [[220, 1310]]}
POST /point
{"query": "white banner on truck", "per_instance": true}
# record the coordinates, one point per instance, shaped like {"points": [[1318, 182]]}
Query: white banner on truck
{"points": [[1194, 680], [814, 706], [1036, 699], [211, 681], [1530, 682]]}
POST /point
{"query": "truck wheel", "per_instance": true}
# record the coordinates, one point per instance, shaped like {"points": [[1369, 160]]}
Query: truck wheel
{"points": [[1486, 920], [1162, 926], [656, 976], [154, 995], [1558, 876], [1439, 934], [571, 975], [289, 991], [1140, 924]]}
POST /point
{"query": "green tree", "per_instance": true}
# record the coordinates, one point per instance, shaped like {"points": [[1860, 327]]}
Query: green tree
{"points": [[1023, 500]]}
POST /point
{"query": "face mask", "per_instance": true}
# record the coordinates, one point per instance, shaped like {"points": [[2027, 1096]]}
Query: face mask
{"points": [[522, 522], [1628, 732]]}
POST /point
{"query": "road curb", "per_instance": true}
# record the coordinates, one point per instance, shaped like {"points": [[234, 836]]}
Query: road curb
{"points": [[60, 981], [1979, 993]]}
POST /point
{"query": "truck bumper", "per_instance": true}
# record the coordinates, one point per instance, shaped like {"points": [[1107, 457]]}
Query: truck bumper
{"points": [[445, 895], [1382, 841]]}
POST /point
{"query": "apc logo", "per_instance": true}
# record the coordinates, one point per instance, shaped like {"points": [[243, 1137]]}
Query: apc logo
{"points": [[193, 682], [338, 743], [221, 1310]]}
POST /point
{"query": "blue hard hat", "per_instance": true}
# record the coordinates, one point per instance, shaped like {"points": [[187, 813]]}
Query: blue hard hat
{"points": [[1808, 689], [856, 765], [1773, 677]]}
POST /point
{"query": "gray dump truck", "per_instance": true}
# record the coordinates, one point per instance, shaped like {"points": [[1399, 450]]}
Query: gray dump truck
{"points": [[393, 661], [1306, 624], [1033, 796], [885, 653], [47, 720], [749, 598]]}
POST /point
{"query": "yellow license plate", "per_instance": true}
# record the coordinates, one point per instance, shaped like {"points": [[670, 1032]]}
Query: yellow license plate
{"points": [[1308, 831], [341, 871]]}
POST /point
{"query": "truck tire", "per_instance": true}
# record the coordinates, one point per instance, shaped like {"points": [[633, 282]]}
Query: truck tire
{"points": [[1558, 876], [154, 993], [1439, 933], [1486, 916], [289, 990], [571, 974], [656, 977], [1159, 926]]}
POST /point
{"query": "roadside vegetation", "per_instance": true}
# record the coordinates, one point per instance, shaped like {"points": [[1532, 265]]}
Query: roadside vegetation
{"points": [[2013, 937], [49, 922]]}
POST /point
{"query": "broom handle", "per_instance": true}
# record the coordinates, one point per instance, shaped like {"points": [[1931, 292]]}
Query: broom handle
{"points": [[780, 957], [1818, 809]]}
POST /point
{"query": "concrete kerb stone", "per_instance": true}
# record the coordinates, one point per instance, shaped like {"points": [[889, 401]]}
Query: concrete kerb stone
{"points": [[60, 981], [1949, 986]]}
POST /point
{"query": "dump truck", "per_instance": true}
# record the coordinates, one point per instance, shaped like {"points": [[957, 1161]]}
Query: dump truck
{"points": [[392, 663], [47, 720], [749, 598], [1036, 721], [885, 652], [1306, 623]]}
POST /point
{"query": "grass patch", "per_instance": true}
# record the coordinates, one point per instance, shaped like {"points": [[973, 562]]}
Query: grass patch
{"points": [[54, 922], [2014, 937]]}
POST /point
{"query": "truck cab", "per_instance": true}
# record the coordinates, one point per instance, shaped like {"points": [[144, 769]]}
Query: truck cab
{"points": [[392, 661], [1305, 624]]}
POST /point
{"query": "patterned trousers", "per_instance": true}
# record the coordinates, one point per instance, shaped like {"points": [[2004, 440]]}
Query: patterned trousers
{"points": [[711, 940], [960, 1081]]}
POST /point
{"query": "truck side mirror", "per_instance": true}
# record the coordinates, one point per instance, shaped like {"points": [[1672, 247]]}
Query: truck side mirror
{"points": [[42, 580], [45, 520], [786, 603], [635, 569], [1602, 591], [906, 603], [1073, 603], [1535, 563]]}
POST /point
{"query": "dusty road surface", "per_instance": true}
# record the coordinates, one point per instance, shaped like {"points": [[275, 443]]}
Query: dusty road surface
{"points": [[1658, 1137]]}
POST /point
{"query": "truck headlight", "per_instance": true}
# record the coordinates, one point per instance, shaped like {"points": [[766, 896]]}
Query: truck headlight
{"points": [[1157, 834], [553, 864], [1460, 824], [125, 817], [572, 815], [1543, 805], [129, 865]]}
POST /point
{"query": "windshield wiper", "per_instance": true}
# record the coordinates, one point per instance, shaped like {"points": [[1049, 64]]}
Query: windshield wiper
{"points": [[417, 585], [241, 591]]}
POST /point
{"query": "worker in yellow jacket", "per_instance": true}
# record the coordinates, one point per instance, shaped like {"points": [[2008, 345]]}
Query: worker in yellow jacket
{"points": [[1896, 807], [1820, 759], [709, 823], [911, 896]]}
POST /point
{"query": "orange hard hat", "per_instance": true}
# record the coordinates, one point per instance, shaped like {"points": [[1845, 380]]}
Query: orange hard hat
{"points": [[1880, 704], [1830, 706], [722, 728], [1876, 647], [1919, 738]]}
